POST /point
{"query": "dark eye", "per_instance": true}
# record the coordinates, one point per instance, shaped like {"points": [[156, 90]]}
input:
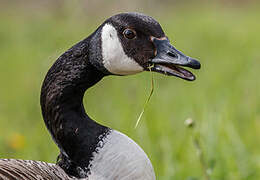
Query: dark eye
{"points": [[129, 33]]}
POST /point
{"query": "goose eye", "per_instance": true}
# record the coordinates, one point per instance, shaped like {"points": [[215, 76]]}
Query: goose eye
{"points": [[129, 33]]}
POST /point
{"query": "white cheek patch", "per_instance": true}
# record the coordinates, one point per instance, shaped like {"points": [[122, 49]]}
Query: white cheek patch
{"points": [[114, 58]]}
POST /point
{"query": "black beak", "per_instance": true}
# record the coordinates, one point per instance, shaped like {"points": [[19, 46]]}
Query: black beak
{"points": [[168, 60]]}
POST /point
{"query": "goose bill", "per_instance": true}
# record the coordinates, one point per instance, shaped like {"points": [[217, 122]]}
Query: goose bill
{"points": [[168, 60], [173, 70]]}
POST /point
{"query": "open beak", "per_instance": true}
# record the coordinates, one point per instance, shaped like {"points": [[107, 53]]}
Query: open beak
{"points": [[169, 60]]}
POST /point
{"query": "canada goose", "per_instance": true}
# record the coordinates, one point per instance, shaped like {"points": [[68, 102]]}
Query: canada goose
{"points": [[124, 44]]}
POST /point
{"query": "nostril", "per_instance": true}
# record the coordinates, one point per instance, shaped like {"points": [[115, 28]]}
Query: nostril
{"points": [[172, 54]]}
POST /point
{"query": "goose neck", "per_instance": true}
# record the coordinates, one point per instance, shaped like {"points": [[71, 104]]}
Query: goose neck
{"points": [[75, 133]]}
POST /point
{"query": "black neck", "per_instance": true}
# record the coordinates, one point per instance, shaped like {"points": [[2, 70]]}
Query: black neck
{"points": [[76, 134]]}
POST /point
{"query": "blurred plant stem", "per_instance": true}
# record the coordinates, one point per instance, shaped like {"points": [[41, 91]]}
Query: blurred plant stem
{"points": [[197, 144], [200, 154]]}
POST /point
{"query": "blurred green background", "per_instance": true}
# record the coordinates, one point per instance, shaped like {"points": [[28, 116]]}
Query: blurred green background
{"points": [[224, 101]]}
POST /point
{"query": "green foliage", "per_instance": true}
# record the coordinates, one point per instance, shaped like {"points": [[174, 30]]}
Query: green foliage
{"points": [[224, 100]]}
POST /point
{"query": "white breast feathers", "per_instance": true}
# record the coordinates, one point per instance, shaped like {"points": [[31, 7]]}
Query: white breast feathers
{"points": [[120, 158]]}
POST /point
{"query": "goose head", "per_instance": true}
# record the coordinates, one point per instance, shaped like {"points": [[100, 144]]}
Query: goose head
{"points": [[134, 42]]}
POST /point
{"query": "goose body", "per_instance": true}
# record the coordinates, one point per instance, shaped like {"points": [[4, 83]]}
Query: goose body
{"points": [[124, 44], [108, 163]]}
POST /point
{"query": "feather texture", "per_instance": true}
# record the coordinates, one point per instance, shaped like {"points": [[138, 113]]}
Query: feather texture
{"points": [[16, 169]]}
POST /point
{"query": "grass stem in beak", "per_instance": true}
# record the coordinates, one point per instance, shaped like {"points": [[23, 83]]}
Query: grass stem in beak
{"points": [[149, 97]]}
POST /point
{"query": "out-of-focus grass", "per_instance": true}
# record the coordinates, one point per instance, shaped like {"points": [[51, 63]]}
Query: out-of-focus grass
{"points": [[224, 100]]}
